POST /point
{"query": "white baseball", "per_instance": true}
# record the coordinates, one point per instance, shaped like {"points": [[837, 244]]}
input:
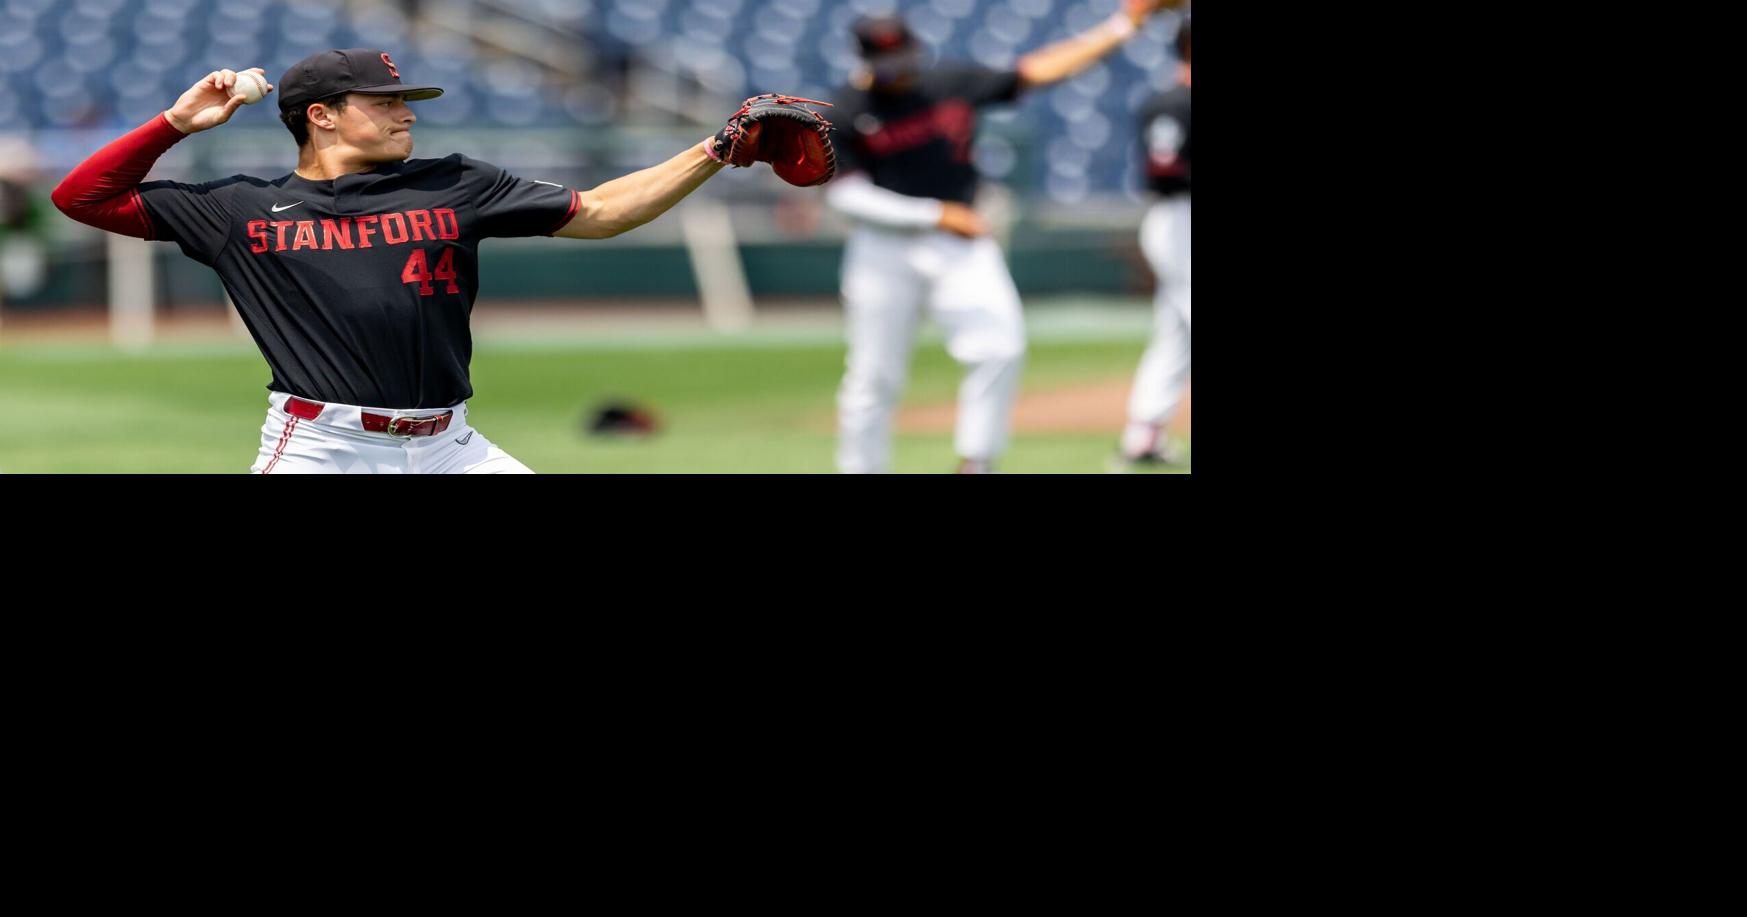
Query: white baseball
{"points": [[251, 86]]}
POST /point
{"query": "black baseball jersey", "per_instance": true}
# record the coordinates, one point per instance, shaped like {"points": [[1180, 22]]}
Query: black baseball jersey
{"points": [[358, 290], [919, 142], [1164, 139]]}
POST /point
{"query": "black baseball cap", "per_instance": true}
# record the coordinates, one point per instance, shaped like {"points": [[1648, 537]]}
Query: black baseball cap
{"points": [[880, 35], [352, 70]]}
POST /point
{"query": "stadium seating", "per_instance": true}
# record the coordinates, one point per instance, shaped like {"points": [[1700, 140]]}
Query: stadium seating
{"points": [[113, 63]]}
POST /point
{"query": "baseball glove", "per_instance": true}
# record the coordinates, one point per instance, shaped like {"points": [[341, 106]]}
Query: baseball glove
{"points": [[777, 129]]}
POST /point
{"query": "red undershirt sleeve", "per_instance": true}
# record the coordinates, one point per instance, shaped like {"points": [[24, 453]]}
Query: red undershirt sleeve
{"points": [[103, 191]]}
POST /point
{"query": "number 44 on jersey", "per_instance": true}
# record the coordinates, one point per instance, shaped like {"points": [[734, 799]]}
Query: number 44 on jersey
{"points": [[418, 271]]}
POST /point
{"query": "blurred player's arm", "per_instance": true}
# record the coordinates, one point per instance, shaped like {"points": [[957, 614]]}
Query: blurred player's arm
{"points": [[857, 197], [103, 191], [626, 203], [1064, 59]]}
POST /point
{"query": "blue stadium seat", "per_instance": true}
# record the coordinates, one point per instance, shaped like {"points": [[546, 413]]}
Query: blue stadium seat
{"points": [[75, 63]]}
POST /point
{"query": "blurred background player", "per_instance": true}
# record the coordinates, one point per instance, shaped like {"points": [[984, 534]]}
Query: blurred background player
{"points": [[908, 183], [1164, 238]]}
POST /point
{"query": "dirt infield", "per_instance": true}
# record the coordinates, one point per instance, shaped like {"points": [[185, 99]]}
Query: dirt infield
{"points": [[1093, 407]]}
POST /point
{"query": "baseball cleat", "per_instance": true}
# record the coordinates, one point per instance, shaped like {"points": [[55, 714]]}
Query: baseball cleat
{"points": [[1168, 455]]}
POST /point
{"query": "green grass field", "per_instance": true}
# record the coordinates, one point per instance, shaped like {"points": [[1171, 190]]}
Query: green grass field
{"points": [[761, 402]]}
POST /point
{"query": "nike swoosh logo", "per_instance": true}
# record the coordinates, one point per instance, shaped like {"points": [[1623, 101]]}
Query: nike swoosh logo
{"points": [[277, 208], [463, 440], [553, 184]]}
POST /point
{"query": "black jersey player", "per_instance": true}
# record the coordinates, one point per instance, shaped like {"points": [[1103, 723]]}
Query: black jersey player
{"points": [[357, 271], [918, 246], [1163, 377]]}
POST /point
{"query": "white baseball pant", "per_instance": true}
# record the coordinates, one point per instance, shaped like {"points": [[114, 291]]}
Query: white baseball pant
{"points": [[335, 442], [1164, 368], [890, 277]]}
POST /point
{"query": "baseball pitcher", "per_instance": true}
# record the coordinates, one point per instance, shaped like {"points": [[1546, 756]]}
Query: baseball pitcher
{"points": [[357, 271]]}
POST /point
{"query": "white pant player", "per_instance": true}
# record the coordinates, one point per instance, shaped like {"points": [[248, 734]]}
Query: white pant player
{"points": [[1164, 368], [896, 269], [336, 442]]}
